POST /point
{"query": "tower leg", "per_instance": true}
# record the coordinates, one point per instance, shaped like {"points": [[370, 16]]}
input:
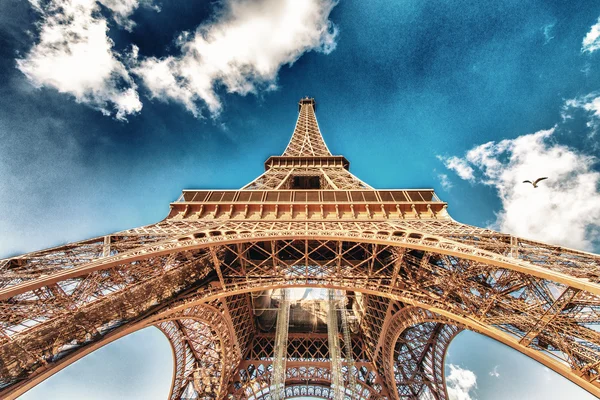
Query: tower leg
{"points": [[414, 357]]}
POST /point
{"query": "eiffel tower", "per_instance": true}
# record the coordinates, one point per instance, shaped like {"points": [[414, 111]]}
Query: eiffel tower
{"points": [[305, 282]]}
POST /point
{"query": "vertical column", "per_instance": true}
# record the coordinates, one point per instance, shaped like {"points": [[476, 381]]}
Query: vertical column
{"points": [[280, 350], [334, 347], [351, 369]]}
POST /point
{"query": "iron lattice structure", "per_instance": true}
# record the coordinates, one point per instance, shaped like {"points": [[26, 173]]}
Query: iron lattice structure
{"points": [[412, 277]]}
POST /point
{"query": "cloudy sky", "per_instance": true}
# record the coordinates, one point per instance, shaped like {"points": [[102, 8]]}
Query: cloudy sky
{"points": [[108, 108]]}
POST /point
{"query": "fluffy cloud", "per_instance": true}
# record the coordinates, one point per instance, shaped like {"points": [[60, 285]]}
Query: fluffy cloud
{"points": [[591, 42], [241, 51], [460, 166], [562, 210], [460, 382], [74, 55]]}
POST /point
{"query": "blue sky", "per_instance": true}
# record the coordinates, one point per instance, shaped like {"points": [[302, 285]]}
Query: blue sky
{"points": [[107, 112]]}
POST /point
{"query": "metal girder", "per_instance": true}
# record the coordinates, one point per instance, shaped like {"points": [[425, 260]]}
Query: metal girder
{"points": [[413, 276], [457, 286], [280, 348], [414, 365], [307, 138], [579, 272]]}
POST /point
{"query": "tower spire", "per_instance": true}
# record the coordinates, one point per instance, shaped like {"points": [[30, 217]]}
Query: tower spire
{"points": [[307, 139], [306, 162]]}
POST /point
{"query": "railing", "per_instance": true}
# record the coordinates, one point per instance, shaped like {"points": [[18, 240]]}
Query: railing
{"points": [[308, 196]]}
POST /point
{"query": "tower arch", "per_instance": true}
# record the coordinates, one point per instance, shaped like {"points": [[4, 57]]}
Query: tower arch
{"points": [[410, 274]]}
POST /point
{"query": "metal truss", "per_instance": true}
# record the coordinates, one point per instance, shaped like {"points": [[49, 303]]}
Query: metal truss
{"points": [[307, 139], [412, 278], [416, 362], [308, 362], [279, 178], [309, 379], [347, 340]]}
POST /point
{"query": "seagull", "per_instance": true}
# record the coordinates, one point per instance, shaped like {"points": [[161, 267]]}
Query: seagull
{"points": [[534, 183]]}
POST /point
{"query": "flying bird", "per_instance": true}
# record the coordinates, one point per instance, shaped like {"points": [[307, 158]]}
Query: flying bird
{"points": [[534, 183]]}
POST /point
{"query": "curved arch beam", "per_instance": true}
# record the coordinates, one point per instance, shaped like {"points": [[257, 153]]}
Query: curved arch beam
{"points": [[198, 358], [176, 335], [412, 240], [468, 322], [410, 291], [206, 356], [422, 365]]}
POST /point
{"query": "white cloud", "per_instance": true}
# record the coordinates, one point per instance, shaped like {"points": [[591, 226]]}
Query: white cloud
{"points": [[122, 10], [241, 50], [494, 373], [591, 42], [589, 103], [460, 382], [563, 209], [460, 166], [445, 181], [74, 55]]}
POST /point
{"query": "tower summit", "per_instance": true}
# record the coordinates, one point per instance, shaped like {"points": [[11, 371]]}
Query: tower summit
{"points": [[307, 139], [306, 162], [387, 279]]}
